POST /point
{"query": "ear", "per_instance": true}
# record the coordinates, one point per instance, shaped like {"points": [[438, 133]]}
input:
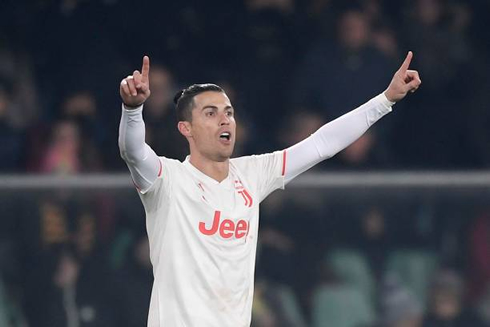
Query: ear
{"points": [[184, 128]]}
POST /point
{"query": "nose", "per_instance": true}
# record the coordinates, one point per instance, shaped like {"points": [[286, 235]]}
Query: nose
{"points": [[224, 119]]}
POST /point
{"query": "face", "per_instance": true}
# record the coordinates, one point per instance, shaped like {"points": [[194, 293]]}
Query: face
{"points": [[354, 30], [66, 135], [81, 104], [446, 305], [213, 128], [429, 11], [374, 224], [162, 90]]}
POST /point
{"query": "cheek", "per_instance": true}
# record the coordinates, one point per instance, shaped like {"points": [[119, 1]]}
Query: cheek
{"points": [[233, 124], [202, 134]]}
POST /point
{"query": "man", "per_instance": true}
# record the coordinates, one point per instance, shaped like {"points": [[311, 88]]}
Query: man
{"points": [[447, 303], [202, 214], [399, 307]]}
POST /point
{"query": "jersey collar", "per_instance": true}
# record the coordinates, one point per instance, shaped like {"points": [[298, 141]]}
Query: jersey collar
{"points": [[203, 177]]}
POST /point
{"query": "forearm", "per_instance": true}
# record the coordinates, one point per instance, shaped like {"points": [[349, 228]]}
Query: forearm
{"points": [[335, 136], [140, 158]]}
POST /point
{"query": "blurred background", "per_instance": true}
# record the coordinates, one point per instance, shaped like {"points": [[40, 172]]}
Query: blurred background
{"points": [[76, 254]]}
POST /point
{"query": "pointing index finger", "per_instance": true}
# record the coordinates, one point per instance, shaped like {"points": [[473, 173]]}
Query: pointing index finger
{"points": [[145, 69], [406, 63]]}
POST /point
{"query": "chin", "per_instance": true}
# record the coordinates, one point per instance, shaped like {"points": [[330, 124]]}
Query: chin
{"points": [[224, 155]]}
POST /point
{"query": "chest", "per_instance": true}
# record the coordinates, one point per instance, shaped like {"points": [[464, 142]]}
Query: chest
{"points": [[233, 195], [224, 210]]}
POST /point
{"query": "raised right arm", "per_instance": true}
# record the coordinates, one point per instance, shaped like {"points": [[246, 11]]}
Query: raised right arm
{"points": [[142, 161]]}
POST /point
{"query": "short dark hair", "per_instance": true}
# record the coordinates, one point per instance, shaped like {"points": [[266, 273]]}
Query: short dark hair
{"points": [[184, 100]]}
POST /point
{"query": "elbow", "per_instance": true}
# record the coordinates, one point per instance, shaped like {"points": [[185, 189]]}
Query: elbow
{"points": [[123, 154], [330, 151], [122, 151], [127, 156], [131, 156]]}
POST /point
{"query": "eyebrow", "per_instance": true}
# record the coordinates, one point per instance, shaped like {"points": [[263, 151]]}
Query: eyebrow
{"points": [[215, 107]]}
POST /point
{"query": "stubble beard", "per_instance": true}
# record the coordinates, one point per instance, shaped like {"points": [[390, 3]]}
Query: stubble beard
{"points": [[222, 154]]}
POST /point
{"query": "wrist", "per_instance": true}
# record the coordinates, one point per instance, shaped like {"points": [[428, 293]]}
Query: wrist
{"points": [[389, 96], [385, 100], [132, 107]]}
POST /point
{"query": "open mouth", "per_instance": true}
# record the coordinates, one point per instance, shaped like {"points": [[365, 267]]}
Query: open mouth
{"points": [[225, 136]]}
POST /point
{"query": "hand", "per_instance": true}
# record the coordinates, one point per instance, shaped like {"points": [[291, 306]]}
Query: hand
{"points": [[403, 81], [135, 89]]}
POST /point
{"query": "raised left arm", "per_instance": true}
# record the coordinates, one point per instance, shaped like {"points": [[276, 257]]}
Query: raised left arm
{"points": [[343, 131]]}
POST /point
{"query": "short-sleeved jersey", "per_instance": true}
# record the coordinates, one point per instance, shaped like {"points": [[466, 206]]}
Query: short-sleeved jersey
{"points": [[203, 240]]}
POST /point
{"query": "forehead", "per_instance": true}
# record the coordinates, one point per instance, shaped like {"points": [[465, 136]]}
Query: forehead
{"points": [[211, 98]]}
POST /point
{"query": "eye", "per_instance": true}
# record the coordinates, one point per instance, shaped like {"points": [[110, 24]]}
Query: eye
{"points": [[209, 113], [229, 113]]}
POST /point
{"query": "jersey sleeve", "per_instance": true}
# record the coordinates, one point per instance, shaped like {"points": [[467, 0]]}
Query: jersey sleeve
{"points": [[159, 193], [335, 136], [142, 161], [266, 171]]}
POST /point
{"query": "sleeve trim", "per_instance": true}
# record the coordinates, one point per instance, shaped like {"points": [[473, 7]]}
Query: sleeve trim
{"points": [[160, 169], [283, 163], [384, 100], [136, 186], [132, 109]]}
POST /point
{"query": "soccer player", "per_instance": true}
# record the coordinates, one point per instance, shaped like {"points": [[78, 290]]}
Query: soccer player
{"points": [[202, 214]]}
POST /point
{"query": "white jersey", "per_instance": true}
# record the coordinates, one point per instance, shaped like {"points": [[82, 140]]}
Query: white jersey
{"points": [[203, 240], [203, 234]]}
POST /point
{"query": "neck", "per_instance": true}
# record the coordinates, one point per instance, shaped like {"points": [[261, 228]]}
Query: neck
{"points": [[217, 170]]}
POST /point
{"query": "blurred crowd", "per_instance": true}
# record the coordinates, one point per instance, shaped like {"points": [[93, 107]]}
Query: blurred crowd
{"points": [[288, 66], [389, 260], [80, 259]]}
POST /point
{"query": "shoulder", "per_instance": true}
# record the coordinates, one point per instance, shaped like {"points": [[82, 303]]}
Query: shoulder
{"points": [[245, 163], [258, 159], [170, 164], [170, 161], [169, 170], [170, 167], [255, 157], [246, 160]]}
